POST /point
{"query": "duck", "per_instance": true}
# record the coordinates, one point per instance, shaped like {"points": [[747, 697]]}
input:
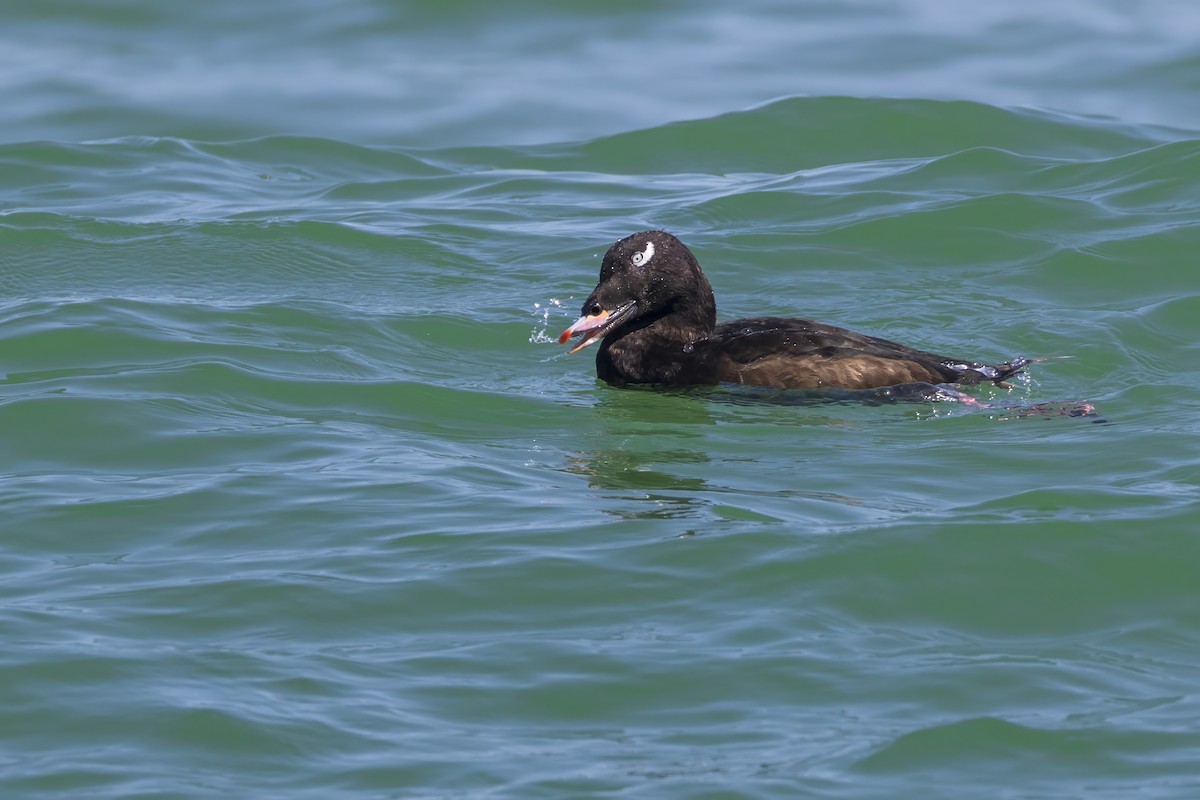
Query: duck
{"points": [[654, 316]]}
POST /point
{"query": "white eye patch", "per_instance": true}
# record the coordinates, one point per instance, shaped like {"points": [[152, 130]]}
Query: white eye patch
{"points": [[644, 256]]}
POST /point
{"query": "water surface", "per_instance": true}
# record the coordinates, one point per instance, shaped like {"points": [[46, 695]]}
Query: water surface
{"points": [[301, 499]]}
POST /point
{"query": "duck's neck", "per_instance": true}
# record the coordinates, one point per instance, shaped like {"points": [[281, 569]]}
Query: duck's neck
{"points": [[659, 348]]}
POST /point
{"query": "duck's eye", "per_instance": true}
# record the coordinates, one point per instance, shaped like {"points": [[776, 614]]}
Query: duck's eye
{"points": [[641, 258], [595, 310]]}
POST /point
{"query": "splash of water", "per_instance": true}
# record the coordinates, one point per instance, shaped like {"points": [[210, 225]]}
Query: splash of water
{"points": [[543, 311]]}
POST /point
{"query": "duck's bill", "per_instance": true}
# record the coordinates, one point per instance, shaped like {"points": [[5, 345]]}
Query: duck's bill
{"points": [[592, 327]]}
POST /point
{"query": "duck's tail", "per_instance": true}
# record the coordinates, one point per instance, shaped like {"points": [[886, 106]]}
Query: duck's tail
{"points": [[999, 373]]}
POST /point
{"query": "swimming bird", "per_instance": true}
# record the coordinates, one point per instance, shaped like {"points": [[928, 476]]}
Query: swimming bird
{"points": [[655, 316]]}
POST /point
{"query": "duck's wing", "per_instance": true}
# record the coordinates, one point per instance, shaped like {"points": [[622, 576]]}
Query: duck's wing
{"points": [[802, 354]]}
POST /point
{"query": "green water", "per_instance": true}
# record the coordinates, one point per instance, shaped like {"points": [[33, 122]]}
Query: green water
{"points": [[302, 499]]}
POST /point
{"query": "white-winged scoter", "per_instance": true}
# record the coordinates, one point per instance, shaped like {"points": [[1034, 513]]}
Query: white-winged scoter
{"points": [[654, 314]]}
